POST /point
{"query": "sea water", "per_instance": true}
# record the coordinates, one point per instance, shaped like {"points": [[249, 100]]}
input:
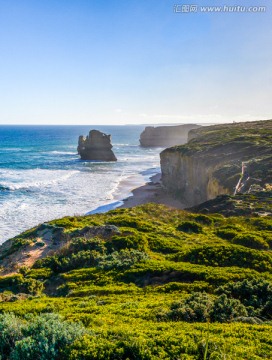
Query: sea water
{"points": [[43, 178]]}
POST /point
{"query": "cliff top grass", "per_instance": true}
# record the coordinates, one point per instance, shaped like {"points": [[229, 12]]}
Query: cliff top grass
{"points": [[145, 282], [255, 133]]}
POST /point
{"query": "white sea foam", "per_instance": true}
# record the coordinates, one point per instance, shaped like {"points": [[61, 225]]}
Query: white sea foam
{"points": [[34, 178], [67, 186], [62, 152]]}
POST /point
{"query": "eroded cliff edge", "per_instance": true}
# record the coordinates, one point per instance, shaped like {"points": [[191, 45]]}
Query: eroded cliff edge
{"points": [[210, 163]]}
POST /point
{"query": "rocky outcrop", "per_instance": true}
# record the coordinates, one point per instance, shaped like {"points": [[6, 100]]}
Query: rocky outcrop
{"points": [[96, 146], [165, 136], [210, 164]]}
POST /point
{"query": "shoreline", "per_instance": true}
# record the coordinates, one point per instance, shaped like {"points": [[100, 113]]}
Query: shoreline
{"points": [[151, 192]]}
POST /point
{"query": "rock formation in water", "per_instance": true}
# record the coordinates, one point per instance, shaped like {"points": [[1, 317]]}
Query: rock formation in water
{"points": [[210, 163], [165, 136], [96, 146]]}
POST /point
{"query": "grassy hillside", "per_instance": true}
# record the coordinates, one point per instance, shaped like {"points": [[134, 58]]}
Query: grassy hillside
{"points": [[143, 283]]}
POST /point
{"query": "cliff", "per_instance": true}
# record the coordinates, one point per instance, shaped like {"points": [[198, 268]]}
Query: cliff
{"points": [[96, 146], [211, 163], [164, 136]]}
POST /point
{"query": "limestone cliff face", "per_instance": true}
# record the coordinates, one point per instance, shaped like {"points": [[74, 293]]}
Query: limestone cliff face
{"points": [[164, 136], [210, 164], [96, 146]]}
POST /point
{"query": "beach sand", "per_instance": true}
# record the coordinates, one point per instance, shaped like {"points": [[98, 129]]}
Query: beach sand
{"points": [[153, 192]]}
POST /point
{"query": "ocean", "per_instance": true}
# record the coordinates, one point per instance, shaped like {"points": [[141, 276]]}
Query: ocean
{"points": [[43, 178]]}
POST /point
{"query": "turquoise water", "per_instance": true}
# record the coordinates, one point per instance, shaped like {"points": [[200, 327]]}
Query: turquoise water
{"points": [[42, 177]]}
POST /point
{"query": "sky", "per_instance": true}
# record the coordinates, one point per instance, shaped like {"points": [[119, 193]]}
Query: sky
{"points": [[134, 62]]}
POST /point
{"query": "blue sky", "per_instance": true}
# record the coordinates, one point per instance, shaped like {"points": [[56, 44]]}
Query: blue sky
{"points": [[121, 62]]}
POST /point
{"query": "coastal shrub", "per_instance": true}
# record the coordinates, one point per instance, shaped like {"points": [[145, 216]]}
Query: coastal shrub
{"points": [[131, 222], [11, 330], [226, 255], [9, 282], [93, 290], [203, 219], [226, 309], [161, 272], [251, 240], [122, 348], [82, 243], [226, 233], [266, 310], [84, 258], [201, 307], [131, 241], [256, 294], [37, 337], [267, 236], [80, 252], [164, 244], [122, 259], [90, 348], [24, 270], [19, 284], [262, 223], [74, 222], [195, 308], [30, 286], [41, 274], [190, 227], [183, 286]]}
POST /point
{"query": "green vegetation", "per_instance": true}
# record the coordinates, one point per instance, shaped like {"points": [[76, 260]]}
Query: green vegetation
{"points": [[164, 284], [259, 203]]}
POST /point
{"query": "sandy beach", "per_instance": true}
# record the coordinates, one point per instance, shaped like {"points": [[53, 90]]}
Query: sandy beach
{"points": [[153, 192]]}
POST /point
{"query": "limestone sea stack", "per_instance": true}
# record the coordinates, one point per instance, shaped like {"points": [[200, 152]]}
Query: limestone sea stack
{"points": [[165, 136], [97, 146]]}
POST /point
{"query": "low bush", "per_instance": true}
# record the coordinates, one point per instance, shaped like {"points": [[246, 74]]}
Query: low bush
{"points": [[30, 286], [130, 241], [254, 294], [19, 284], [203, 219], [262, 223], [122, 259], [226, 309], [251, 240], [226, 233], [195, 308], [190, 227], [84, 258], [201, 307], [38, 337], [129, 221], [226, 255]]}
